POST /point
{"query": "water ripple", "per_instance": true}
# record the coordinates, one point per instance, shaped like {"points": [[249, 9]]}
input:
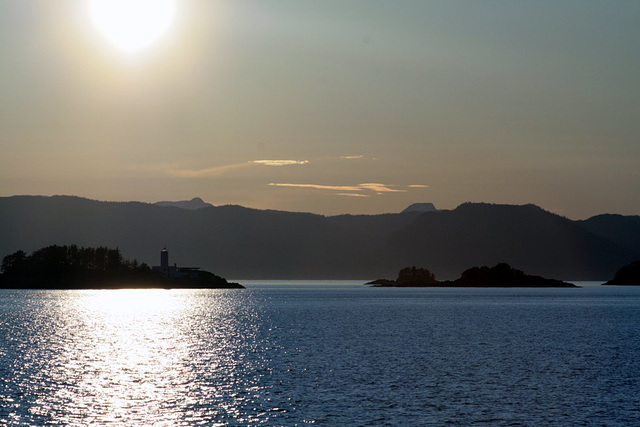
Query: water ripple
{"points": [[318, 356]]}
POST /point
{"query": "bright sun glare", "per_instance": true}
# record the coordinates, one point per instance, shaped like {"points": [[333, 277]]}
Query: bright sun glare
{"points": [[132, 24]]}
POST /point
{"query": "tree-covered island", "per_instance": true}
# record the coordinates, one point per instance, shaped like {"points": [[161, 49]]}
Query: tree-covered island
{"points": [[500, 276], [629, 275], [73, 267]]}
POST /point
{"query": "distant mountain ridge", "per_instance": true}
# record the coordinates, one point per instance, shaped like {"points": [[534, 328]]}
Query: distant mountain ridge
{"points": [[420, 207], [526, 236], [244, 243], [624, 230], [193, 204]]}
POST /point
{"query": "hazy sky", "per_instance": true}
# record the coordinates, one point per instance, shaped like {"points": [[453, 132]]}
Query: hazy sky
{"points": [[329, 106]]}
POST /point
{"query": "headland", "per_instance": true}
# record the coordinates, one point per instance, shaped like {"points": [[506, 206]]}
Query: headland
{"points": [[73, 267]]}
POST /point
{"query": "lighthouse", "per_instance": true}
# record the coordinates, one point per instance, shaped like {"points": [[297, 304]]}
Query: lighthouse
{"points": [[164, 261], [174, 272]]}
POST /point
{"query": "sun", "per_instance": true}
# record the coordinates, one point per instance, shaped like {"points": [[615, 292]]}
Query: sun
{"points": [[132, 24]]}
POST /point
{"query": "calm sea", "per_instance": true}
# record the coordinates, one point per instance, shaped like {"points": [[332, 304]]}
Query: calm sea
{"points": [[330, 353]]}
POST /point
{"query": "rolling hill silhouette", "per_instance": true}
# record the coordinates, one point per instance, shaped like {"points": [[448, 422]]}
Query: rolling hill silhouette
{"points": [[243, 243], [524, 236]]}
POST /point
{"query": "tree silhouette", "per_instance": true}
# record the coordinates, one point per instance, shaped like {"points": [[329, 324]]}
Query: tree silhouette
{"points": [[71, 267], [412, 276]]}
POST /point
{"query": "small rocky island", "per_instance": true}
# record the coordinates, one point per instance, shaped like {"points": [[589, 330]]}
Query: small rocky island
{"points": [[500, 276], [73, 267], [629, 275]]}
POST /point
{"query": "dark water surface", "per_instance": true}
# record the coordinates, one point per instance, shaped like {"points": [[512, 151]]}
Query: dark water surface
{"points": [[336, 354]]}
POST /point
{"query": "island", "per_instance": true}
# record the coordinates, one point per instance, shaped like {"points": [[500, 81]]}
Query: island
{"points": [[500, 276], [73, 267], [629, 275]]}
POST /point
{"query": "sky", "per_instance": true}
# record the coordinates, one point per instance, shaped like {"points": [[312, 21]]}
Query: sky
{"points": [[329, 106]]}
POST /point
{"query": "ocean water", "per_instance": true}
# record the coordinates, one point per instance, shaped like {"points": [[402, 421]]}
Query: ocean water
{"points": [[327, 353]]}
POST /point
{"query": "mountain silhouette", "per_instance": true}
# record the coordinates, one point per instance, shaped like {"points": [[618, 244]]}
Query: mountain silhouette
{"points": [[243, 243], [524, 236], [420, 207], [193, 204], [624, 230]]}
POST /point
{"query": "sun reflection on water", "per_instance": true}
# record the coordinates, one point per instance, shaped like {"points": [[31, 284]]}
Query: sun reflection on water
{"points": [[131, 351], [133, 301], [145, 357]]}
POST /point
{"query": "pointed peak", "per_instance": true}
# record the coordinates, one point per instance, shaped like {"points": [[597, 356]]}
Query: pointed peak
{"points": [[192, 205], [420, 207]]}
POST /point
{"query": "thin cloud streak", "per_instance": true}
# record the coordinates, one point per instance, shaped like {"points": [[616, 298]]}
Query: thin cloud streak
{"points": [[370, 186], [208, 172], [221, 170], [318, 187], [380, 188], [352, 195], [280, 162], [418, 186], [360, 156]]}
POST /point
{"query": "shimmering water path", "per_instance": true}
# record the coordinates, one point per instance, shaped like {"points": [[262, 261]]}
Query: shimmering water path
{"points": [[331, 354]]}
